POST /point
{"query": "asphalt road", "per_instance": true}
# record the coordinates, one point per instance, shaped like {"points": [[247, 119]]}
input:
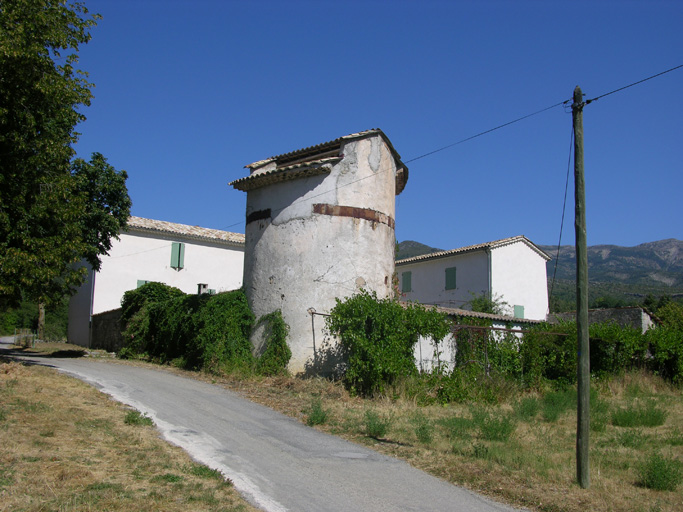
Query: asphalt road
{"points": [[277, 463]]}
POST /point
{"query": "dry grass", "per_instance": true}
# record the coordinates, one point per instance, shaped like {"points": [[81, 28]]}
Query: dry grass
{"points": [[533, 467], [65, 446]]}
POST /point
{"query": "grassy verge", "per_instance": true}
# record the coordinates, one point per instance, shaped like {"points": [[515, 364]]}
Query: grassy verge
{"points": [[65, 446], [521, 450]]}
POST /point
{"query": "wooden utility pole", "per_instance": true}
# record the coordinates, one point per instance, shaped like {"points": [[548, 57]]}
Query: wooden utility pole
{"points": [[583, 367]]}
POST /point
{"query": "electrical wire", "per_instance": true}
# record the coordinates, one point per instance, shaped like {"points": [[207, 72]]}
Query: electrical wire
{"points": [[562, 103], [488, 131], [634, 83], [564, 208]]}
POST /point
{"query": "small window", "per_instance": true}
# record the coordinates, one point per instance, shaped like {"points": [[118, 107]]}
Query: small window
{"points": [[406, 282], [177, 255], [142, 282], [450, 278], [519, 312]]}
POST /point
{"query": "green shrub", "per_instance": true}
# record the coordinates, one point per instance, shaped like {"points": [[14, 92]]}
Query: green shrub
{"points": [[556, 403], [614, 349], [661, 473], [134, 300], [666, 345], [548, 353], [222, 341], [375, 425], [137, 418], [277, 353], [378, 338], [493, 428], [316, 414], [424, 428], [527, 408], [135, 314], [456, 426], [639, 416]]}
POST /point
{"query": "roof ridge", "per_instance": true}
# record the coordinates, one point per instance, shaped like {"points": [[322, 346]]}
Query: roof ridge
{"points": [[475, 247], [184, 229]]}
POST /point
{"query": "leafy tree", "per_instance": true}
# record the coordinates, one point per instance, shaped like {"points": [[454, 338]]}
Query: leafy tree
{"points": [[53, 212], [484, 304]]}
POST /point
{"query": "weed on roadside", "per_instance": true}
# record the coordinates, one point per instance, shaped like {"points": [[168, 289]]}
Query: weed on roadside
{"points": [[527, 408], [493, 427], [661, 473], [634, 415], [375, 425], [424, 428], [316, 415], [137, 418]]}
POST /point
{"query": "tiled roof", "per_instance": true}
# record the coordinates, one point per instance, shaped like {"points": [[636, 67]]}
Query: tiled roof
{"points": [[476, 314], [141, 224], [290, 172], [326, 151], [477, 247]]}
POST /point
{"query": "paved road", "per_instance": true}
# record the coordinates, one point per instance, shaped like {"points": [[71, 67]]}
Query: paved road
{"points": [[275, 462]]}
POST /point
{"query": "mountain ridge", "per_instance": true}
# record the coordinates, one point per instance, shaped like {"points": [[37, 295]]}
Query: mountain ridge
{"points": [[651, 265]]}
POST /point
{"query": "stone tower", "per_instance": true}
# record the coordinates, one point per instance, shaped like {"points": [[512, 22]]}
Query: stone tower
{"points": [[320, 226]]}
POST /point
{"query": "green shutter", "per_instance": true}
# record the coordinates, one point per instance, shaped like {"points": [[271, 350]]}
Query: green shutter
{"points": [[519, 312], [406, 282], [450, 278], [177, 255], [141, 282]]}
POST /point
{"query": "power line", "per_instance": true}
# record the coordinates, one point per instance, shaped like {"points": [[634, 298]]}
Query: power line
{"points": [[487, 131], [564, 207], [634, 83], [563, 103]]}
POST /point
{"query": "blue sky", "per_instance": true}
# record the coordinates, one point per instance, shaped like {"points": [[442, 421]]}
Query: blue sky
{"points": [[188, 92]]}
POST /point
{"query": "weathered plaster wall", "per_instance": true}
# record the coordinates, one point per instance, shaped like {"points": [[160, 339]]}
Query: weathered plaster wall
{"points": [[428, 279], [146, 256], [298, 259], [518, 276]]}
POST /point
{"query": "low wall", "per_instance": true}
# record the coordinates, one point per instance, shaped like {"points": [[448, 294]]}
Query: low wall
{"points": [[625, 317], [106, 331]]}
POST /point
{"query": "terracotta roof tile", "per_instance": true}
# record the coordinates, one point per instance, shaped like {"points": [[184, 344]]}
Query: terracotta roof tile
{"points": [[327, 150], [477, 247], [141, 224]]}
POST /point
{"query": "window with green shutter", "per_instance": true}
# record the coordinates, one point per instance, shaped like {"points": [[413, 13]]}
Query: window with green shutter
{"points": [[178, 255], [519, 312], [141, 282], [406, 282], [450, 278]]}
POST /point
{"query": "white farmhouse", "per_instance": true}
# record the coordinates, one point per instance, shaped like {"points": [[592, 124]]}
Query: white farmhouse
{"points": [[191, 258], [512, 270]]}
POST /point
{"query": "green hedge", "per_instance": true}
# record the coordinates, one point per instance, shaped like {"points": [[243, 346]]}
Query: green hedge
{"points": [[208, 332], [378, 337]]}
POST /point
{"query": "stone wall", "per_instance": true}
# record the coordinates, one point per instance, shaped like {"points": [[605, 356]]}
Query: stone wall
{"points": [[106, 331], [637, 318]]}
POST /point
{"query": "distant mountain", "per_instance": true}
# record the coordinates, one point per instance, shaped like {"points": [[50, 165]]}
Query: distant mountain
{"points": [[657, 264], [625, 274], [409, 249]]}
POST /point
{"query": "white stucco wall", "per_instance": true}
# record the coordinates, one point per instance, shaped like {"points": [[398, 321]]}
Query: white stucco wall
{"points": [[518, 274], [428, 279], [297, 259], [146, 256]]}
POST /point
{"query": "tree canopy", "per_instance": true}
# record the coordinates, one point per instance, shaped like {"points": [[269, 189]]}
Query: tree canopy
{"points": [[54, 212]]}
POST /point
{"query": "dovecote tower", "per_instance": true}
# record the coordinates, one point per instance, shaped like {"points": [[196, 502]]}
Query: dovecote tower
{"points": [[319, 226]]}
